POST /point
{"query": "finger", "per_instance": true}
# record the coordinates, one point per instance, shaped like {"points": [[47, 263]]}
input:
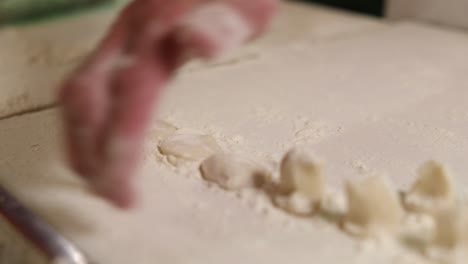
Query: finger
{"points": [[217, 27], [85, 103], [112, 47], [135, 89], [259, 13], [85, 99], [153, 20], [225, 22]]}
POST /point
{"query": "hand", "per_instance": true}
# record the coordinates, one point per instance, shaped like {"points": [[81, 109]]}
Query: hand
{"points": [[109, 99]]}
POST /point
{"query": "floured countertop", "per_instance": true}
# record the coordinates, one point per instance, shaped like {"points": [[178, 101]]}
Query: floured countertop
{"points": [[376, 102]]}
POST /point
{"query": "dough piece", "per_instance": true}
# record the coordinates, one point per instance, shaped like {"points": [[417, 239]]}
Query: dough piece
{"points": [[295, 203], [234, 172], [334, 203], [374, 208], [434, 189], [451, 229], [302, 172], [418, 228], [191, 147], [161, 130]]}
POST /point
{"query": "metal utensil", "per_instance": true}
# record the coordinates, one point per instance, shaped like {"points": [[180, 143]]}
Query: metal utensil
{"points": [[49, 242]]}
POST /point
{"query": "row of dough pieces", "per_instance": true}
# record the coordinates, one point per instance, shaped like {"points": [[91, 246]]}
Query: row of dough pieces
{"points": [[429, 213]]}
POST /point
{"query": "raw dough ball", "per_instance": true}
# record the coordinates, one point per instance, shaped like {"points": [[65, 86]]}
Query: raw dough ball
{"points": [[374, 207], [190, 147], [233, 172], [302, 172], [433, 190], [451, 228], [334, 203], [295, 203], [161, 130], [418, 228]]}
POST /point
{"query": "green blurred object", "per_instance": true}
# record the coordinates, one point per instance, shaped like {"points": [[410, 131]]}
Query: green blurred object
{"points": [[25, 11]]}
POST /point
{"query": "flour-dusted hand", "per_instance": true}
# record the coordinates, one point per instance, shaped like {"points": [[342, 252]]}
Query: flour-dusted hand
{"points": [[109, 99]]}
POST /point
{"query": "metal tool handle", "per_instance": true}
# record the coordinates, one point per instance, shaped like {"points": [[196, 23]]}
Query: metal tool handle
{"points": [[47, 240]]}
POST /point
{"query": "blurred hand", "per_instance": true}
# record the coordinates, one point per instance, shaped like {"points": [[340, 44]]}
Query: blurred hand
{"points": [[109, 99]]}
